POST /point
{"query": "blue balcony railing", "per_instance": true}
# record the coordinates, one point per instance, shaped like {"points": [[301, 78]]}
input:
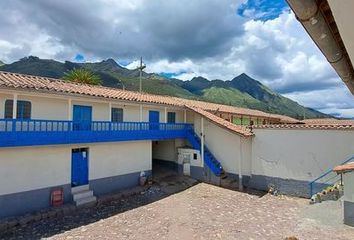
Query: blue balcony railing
{"points": [[16, 132]]}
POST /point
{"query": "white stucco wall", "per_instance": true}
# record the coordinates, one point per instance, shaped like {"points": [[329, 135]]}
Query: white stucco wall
{"points": [[3, 98], [113, 159], [167, 150], [30, 168], [348, 181], [299, 154], [56, 107], [225, 146], [24, 169]]}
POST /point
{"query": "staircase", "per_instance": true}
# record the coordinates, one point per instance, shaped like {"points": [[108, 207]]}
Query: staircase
{"points": [[209, 159], [82, 195], [326, 181]]}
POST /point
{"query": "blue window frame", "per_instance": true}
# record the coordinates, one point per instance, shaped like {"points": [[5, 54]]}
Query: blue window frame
{"points": [[171, 117], [117, 115], [24, 109]]}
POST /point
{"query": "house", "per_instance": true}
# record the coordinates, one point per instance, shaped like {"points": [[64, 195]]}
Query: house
{"points": [[89, 141]]}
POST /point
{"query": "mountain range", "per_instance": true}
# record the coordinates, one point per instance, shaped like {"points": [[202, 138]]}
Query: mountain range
{"points": [[241, 91]]}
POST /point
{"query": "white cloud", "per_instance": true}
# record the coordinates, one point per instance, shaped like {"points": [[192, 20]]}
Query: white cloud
{"points": [[188, 38]]}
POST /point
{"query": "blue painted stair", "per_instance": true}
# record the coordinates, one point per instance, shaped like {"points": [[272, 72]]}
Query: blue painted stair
{"points": [[209, 159]]}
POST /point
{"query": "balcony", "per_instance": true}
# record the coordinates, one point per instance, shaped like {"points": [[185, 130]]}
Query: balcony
{"points": [[15, 132]]}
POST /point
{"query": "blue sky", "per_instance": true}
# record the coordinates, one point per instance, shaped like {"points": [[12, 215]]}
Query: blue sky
{"points": [[262, 9], [180, 38]]}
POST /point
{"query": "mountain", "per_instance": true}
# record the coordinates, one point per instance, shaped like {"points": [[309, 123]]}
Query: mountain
{"points": [[1, 63], [242, 91]]}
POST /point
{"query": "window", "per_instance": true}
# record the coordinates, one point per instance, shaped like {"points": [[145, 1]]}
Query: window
{"points": [[23, 109], [117, 115], [171, 117]]}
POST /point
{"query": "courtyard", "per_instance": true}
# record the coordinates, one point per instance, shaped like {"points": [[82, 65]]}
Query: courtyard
{"points": [[177, 207]]}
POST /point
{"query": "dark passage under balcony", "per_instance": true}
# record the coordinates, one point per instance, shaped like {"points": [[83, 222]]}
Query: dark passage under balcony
{"points": [[15, 132]]}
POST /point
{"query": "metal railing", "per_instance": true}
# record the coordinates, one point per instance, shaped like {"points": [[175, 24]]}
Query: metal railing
{"points": [[36, 125], [327, 178], [28, 132]]}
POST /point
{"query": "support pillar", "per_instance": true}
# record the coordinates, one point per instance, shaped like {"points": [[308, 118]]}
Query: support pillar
{"points": [[202, 140], [14, 107], [240, 185], [185, 116], [69, 110], [141, 113]]}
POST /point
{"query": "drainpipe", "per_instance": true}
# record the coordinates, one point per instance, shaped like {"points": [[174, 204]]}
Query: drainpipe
{"points": [[185, 116], [240, 185], [141, 113], [309, 14], [14, 107], [202, 139]]}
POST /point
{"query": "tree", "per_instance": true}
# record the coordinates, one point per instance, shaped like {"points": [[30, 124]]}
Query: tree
{"points": [[82, 75]]}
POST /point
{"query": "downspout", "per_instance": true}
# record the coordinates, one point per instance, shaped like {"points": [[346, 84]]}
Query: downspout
{"points": [[309, 14]]}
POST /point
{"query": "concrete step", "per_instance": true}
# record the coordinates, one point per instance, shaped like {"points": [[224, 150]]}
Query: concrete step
{"points": [[80, 189], [83, 194], [85, 201]]}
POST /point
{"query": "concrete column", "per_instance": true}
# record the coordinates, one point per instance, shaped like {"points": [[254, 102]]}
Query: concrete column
{"points": [[141, 113], [185, 116], [202, 140], [240, 185], [109, 111], [165, 114], [14, 106], [69, 110]]}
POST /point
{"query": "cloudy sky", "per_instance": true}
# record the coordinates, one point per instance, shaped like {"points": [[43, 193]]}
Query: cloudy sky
{"points": [[217, 39]]}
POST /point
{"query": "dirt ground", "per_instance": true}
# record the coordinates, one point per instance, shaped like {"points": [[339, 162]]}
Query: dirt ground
{"points": [[201, 211]]}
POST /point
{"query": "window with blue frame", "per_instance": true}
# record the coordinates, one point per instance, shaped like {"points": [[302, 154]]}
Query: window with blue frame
{"points": [[171, 117], [117, 115], [24, 109]]}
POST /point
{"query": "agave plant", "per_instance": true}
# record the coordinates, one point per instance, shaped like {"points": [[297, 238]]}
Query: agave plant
{"points": [[82, 75]]}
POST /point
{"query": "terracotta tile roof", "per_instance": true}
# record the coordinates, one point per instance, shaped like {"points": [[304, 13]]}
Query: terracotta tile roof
{"points": [[344, 168], [328, 121], [241, 130], [306, 126], [44, 84]]}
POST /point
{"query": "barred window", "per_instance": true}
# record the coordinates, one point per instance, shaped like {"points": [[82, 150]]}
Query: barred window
{"points": [[23, 109], [171, 117], [117, 115]]}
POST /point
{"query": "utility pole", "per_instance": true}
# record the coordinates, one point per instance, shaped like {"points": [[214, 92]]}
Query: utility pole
{"points": [[140, 68]]}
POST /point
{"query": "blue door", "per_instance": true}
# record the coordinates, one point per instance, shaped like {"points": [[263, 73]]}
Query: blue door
{"points": [[154, 118], [82, 118], [79, 167]]}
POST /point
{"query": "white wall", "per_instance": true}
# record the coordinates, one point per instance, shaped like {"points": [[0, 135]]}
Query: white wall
{"points": [[225, 146], [167, 150], [23, 169], [348, 180], [299, 154], [29, 168], [48, 107], [113, 159]]}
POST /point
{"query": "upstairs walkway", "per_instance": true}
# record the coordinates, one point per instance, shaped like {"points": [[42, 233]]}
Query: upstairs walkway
{"points": [[15, 133]]}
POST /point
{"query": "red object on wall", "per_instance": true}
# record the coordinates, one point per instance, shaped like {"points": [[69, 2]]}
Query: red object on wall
{"points": [[57, 197]]}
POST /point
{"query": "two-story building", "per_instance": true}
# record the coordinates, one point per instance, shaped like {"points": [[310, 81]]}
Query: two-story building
{"points": [[92, 140]]}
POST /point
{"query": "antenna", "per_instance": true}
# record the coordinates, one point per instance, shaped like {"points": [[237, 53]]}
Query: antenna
{"points": [[140, 68]]}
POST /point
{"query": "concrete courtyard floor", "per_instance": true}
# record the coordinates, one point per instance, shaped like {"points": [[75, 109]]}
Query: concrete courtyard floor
{"points": [[200, 211]]}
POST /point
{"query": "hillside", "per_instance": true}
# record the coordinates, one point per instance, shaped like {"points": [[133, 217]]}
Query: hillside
{"points": [[242, 91]]}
